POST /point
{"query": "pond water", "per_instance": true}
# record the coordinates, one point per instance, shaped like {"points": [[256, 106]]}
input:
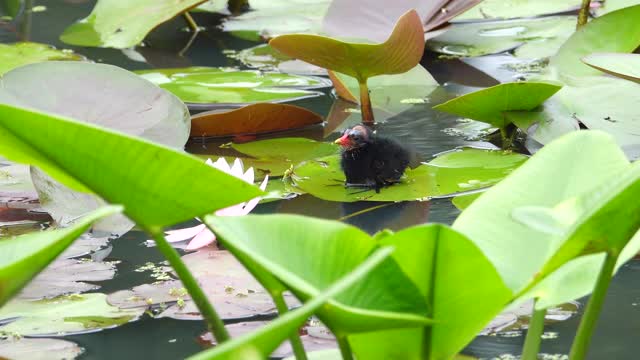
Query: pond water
{"points": [[427, 131]]}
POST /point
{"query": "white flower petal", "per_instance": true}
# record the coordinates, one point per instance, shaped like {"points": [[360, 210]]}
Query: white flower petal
{"points": [[248, 176], [237, 168], [222, 165], [263, 186]]}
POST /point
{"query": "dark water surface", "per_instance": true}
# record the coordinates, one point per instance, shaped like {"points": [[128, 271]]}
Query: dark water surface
{"points": [[422, 128]]}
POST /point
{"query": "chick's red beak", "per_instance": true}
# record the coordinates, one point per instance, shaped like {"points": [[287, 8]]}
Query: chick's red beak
{"points": [[343, 141]]}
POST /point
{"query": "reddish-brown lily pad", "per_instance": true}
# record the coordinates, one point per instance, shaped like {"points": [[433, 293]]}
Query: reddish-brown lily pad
{"points": [[252, 119]]}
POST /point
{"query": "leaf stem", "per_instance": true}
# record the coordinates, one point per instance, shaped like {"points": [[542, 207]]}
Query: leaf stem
{"points": [[590, 317], [532, 341], [583, 15], [294, 339], [216, 326], [345, 348], [365, 103]]}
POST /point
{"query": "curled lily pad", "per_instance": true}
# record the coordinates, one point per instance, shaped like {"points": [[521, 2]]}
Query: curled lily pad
{"points": [[447, 175], [119, 24], [23, 53], [626, 66], [66, 315], [208, 88], [39, 349], [545, 34], [252, 119]]}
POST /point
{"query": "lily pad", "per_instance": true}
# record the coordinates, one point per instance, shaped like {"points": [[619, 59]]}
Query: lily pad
{"points": [[488, 105], [626, 66], [39, 349], [23, 53], [67, 276], [447, 175], [15, 179], [613, 5], [121, 23], [510, 9], [398, 54], [66, 315], [266, 58], [545, 34], [209, 88], [270, 18], [252, 119]]}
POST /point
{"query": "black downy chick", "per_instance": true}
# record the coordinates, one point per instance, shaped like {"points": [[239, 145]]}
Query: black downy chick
{"points": [[371, 161]]}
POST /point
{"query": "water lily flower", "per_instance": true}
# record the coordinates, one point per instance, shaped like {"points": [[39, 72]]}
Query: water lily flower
{"points": [[201, 236]]}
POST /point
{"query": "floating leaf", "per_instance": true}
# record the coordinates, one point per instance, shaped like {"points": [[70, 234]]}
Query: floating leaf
{"points": [[23, 257], [509, 9], [488, 105], [626, 66], [599, 35], [39, 349], [399, 53], [75, 314], [266, 58], [23, 53], [87, 163], [252, 119], [15, 179], [119, 24], [613, 5], [208, 88], [532, 38], [270, 18], [447, 175]]}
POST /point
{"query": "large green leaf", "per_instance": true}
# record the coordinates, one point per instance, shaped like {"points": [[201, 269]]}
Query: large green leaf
{"points": [[261, 343], [121, 169], [207, 87], [626, 66], [385, 299], [24, 256], [399, 53], [448, 174], [121, 23], [531, 38], [65, 315], [439, 259], [600, 35], [18, 54], [585, 159], [488, 105]]}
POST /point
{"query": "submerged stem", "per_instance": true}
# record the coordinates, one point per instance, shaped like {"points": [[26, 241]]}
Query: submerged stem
{"points": [[216, 326], [365, 104], [590, 317], [194, 32], [583, 15], [532, 341], [294, 339]]}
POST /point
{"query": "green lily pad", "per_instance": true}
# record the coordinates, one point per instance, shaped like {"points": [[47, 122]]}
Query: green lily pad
{"points": [[488, 105], [613, 5], [121, 23], [15, 178], [74, 314], [266, 58], [270, 18], [510, 9], [626, 66], [209, 88], [448, 174], [533, 38], [23, 53]]}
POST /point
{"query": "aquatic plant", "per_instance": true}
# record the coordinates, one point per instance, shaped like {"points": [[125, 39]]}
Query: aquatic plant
{"points": [[201, 236]]}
